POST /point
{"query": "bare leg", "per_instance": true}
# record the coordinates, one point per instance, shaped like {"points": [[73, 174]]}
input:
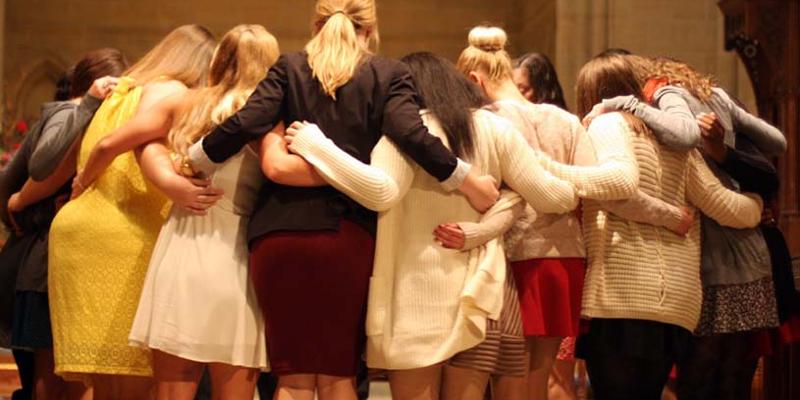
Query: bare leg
{"points": [[463, 383], [336, 387], [232, 382], [416, 384], [46, 384], [122, 387], [510, 387], [176, 378], [562, 381], [543, 352], [296, 387], [78, 391]]}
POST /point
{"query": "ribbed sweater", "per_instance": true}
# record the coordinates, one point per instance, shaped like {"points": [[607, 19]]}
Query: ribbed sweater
{"points": [[642, 271], [427, 303], [556, 133]]}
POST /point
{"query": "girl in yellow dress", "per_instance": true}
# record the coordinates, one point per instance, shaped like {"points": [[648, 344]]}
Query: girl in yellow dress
{"points": [[100, 243]]}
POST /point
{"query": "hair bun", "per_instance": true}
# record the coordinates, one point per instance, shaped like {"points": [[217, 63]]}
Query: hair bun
{"points": [[488, 38]]}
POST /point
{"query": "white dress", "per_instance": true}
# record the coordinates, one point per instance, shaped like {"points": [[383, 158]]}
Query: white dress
{"points": [[197, 301]]}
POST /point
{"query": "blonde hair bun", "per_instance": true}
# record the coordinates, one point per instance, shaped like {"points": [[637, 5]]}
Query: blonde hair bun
{"points": [[488, 38]]}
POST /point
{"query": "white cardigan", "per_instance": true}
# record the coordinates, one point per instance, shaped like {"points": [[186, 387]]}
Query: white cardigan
{"points": [[427, 303]]}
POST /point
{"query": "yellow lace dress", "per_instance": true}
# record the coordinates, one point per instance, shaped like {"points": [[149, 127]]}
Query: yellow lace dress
{"points": [[100, 246]]}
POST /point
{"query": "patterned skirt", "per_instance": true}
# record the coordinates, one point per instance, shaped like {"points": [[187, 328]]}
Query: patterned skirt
{"points": [[738, 308], [503, 350]]}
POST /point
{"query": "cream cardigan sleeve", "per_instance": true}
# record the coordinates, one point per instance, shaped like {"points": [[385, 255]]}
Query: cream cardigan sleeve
{"points": [[521, 169], [378, 186], [646, 209], [616, 175], [721, 204], [493, 224]]}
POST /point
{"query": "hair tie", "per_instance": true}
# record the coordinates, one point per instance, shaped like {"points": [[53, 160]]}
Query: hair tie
{"points": [[339, 12]]}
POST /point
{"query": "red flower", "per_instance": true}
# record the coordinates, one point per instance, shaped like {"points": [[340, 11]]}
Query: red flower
{"points": [[21, 126]]}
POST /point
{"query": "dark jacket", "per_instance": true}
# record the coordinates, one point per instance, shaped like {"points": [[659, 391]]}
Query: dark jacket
{"points": [[379, 99]]}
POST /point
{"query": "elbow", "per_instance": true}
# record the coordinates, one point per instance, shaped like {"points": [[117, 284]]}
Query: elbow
{"points": [[275, 172], [750, 213]]}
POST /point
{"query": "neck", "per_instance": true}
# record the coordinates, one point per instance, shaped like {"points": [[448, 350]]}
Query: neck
{"points": [[76, 100], [505, 90]]}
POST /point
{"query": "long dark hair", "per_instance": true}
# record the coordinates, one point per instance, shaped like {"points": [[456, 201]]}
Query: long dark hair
{"points": [[449, 95], [543, 79], [604, 78], [94, 65]]}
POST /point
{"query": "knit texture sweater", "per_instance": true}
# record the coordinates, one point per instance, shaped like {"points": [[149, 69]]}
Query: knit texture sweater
{"points": [[642, 271], [556, 133], [427, 303]]}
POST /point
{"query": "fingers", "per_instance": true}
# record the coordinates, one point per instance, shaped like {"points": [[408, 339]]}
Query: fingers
{"points": [[449, 236], [204, 183]]}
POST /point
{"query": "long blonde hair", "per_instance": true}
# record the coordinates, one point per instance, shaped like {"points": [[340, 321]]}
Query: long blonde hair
{"points": [[183, 55], [487, 53], [335, 52], [241, 60]]}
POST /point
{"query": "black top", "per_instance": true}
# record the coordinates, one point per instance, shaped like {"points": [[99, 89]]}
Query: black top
{"points": [[380, 98]]}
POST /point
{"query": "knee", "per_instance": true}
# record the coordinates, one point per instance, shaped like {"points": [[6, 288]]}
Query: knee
{"points": [[297, 381]]}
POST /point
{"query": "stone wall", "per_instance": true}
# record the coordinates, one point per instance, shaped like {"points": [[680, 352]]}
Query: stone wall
{"points": [[689, 30], [42, 37]]}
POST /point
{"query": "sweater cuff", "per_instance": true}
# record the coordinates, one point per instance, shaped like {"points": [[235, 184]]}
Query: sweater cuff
{"points": [[91, 103], [201, 164], [457, 177], [472, 235]]}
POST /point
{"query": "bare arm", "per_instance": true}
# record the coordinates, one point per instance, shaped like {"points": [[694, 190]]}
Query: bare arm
{"points": [[285, 168], [193, 195], [152, 121]]}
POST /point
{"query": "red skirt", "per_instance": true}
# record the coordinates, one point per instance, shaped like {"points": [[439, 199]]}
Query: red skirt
{"points": [[550, 291], [312, 289]]}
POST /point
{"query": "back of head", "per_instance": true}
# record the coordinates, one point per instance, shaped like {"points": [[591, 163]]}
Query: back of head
{"points": [[605, 78], [486, 53], [96, 64], [681, 74], [183, 55], [335, 51], [614, 51], [241, 60], [449, 95], [63, 85], [543, 79]]}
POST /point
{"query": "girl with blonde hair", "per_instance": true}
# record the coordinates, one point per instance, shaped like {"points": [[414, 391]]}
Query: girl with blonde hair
{"points": [[101, 241], [312, 246], [199, 264], [546, 251]]}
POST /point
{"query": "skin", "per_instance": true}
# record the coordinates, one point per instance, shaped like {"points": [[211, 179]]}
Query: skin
{"points": [[520, 78]]}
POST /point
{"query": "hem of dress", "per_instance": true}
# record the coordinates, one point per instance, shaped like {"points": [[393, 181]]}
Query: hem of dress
{"points": [[166, 348], [80, 372]]}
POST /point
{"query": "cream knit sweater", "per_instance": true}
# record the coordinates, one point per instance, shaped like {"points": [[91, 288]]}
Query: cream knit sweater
{"points": [[642, 271], [427, 303]]}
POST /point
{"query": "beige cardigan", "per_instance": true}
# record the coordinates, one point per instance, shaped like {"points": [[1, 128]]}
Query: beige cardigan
{"points": [[427, 303], [642, 271]]}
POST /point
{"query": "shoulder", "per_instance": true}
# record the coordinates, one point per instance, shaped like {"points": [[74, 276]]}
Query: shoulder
{"points": [[557, 115], [487, 122], [163, 88], [387, 68], [613, 121], [670, 91]]}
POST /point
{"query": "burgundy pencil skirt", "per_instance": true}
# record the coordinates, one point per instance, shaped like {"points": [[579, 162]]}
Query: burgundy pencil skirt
{"points": [[312, 289]]}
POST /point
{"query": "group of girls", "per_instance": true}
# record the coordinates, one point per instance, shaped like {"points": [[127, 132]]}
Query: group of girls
{"points": [[419, 212]]}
